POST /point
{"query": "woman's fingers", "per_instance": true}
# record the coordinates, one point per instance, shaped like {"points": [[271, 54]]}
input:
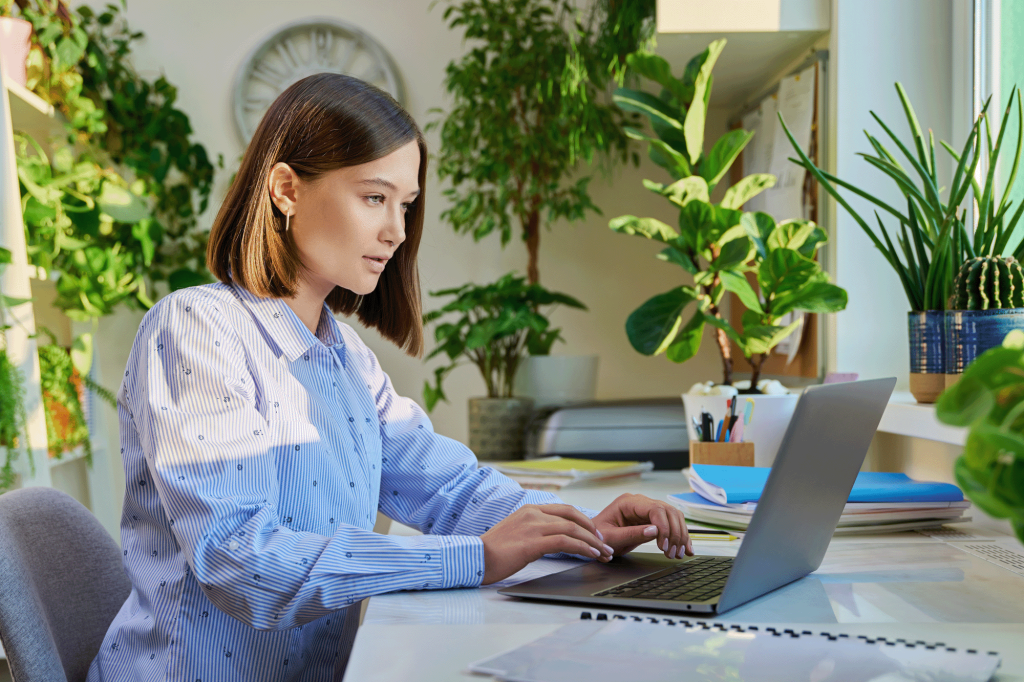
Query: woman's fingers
{"points": [[552, 544], [570, 529]]}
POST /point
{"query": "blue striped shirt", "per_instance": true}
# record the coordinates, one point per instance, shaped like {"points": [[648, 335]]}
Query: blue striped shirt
{"points": [[256, 456]]}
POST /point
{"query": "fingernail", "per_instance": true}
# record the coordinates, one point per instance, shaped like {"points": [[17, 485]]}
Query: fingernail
{"points": [[599, 536], [664, 545], [679, 554], [595, 551], [672, 552], [689, 546], [650, 531], [609, 550]]}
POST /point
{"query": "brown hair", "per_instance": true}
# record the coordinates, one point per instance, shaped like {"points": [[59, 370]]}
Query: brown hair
{"points": [[321, 123]]}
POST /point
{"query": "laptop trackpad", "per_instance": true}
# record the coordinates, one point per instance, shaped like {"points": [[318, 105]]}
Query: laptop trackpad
{"points": [[593, 576]]}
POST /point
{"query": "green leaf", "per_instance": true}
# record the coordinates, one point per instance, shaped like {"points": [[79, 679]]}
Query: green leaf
{"points": [[799, 235], [652, 327], [693, 124], [784, 271], [723, 154], [657, 69], [734, 253], [658, 111], [673, 255], [737, 283], [759, 227], [644, 227], [813, 297], [5, 256], [746, 189], [762, 339], [688, 340], [11, 301], [81, 353], [693, 188], [120, 204]]}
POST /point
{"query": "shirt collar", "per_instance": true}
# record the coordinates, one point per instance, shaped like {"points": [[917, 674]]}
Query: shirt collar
{"points": [[286, 329]]}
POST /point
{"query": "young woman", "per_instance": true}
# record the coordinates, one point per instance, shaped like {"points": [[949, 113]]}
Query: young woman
{"points": [[260, 436]]}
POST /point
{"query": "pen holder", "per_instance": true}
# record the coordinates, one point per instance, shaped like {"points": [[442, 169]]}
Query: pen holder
{"points": [[732, 454]]}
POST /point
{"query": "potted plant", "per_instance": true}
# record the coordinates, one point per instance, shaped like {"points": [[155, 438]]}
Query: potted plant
{"points": [[521, 123], [989, 401], [987, 304], [718, 245], [933, 241], [13, 431], [494, 326]]}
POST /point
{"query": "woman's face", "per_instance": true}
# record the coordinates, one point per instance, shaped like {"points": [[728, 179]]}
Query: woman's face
{"points": [[348, 223]]}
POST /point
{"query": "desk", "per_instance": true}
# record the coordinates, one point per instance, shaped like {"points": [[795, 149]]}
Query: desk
{"points": [[895, 585]]}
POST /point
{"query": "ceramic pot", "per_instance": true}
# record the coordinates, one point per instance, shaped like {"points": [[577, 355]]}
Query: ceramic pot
{"points": [[14, 47], [767, 426], [927, 354], [497, 427], [969, 333], [557, 380]]}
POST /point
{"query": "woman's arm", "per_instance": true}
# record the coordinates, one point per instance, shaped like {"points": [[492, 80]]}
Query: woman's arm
{"points": [[190, 406]]}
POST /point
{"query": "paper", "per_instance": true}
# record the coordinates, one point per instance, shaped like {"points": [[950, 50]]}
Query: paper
{"points": [[757, 155], [673, 650], [796, 105]]}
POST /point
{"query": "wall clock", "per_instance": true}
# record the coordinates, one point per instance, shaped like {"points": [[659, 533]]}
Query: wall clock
{"points": [[301, 49]]}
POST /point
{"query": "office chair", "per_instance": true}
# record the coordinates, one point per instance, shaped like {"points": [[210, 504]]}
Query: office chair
{"points": [[61, 584]]}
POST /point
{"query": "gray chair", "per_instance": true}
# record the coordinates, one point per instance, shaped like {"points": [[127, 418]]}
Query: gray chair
{"points": [[61, 584]]}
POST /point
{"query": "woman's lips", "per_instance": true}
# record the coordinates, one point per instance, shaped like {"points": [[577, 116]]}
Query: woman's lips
{"points": [[375, 264]]}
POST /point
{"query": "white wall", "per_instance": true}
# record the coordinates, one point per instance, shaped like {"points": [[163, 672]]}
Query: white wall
{"points": [[199, 45], [875, 43]]}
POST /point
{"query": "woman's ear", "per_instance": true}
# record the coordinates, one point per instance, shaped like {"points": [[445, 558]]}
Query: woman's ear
{"points": [[282, 184]]}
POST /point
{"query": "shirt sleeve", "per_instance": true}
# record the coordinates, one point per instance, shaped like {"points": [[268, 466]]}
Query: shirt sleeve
{"points": [[210, 451], [432, 482]]}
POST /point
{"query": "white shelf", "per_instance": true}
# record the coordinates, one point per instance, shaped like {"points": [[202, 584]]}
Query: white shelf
{"points": [[69, 456], [30, 113], [907, 417]]}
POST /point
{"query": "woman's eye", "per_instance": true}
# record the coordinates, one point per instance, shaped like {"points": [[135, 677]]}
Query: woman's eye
{"points": [[407, 206], [375, 199]]}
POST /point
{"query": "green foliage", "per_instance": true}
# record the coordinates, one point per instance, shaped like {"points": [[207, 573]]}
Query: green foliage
{"points": [[988, 283], [933, 239], [527, 108], [717, 244], [989, 400], [494, 326], [102, 235], [66, 426], [13, 433]]}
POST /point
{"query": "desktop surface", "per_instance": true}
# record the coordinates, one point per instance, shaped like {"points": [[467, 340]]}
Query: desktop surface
{"points": [[900, 585]]}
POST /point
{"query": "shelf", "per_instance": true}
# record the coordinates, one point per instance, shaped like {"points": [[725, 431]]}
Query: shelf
{"points": [[30, 114], [907, 417], [69, 456]]}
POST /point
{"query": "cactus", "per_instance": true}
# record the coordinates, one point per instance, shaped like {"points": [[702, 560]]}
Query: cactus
{"points": [[988, 283]]}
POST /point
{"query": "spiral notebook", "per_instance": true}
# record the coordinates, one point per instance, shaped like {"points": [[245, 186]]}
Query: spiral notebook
{"points": [[620, 648]]}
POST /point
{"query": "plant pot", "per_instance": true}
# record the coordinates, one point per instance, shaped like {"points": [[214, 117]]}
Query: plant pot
{"points": [[14, 47], [969, 333], [767, 426], [927, 354], [556, 380], [497, 427]]}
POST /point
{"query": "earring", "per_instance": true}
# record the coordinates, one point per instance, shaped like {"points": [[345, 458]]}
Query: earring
{"points": [[287, 221]]}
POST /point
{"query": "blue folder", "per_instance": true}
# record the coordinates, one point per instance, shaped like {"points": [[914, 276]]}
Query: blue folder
{"points": [[744, 484]]}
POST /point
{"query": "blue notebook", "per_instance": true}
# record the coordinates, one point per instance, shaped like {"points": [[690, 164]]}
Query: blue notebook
{"points": [[734, 485]]}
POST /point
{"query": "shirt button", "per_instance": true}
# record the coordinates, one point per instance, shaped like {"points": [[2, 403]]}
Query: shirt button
{"points": [[233, 545], [351, 484]]}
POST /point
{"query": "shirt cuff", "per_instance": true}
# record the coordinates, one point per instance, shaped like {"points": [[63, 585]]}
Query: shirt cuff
{"points": [[462, 560]]}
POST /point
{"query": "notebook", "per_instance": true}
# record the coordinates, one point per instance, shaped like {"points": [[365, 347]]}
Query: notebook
{"points": [[554, 473], [617, 648], [736, 485]]}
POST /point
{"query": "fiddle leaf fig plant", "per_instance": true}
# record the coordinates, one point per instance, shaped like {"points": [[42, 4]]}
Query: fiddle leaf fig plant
{"points": [[494, 326], [717, 244], [989, 400]]}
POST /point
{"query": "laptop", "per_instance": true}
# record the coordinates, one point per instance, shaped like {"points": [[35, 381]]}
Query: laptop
{"points": [[815, 469]]}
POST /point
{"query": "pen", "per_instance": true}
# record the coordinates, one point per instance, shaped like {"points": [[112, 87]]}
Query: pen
{"points": [[707, 426]]}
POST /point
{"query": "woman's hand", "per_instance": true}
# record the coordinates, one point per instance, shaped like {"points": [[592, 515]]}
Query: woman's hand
{"points": [[632, 520], [535, 530]]}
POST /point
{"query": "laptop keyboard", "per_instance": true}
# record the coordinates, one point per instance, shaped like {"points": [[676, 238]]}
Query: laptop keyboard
{"points": [[698, 579]]}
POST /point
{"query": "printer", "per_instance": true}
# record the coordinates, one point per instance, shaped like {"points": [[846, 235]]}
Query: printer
{"points": [[644, 430]]}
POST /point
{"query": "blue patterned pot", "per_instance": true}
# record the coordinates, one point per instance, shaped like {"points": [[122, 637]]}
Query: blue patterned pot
{"points": [[969, 333], [927, 342]]}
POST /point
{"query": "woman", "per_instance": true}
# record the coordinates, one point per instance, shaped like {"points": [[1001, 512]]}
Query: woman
{"points": [[260, 436]]}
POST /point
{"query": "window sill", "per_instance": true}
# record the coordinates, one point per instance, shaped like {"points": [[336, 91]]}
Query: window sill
{"points": [[904, 416]]}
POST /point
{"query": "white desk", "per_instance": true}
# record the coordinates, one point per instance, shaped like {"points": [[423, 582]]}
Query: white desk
{"points": [[898, 585]]}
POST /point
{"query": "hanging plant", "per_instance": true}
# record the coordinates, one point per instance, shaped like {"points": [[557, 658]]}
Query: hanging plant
{"points": [[13, 433], [61, 387]]}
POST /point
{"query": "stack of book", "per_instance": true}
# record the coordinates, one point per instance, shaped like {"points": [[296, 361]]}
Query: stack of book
{"points": [[554, 473], [726, 496]]}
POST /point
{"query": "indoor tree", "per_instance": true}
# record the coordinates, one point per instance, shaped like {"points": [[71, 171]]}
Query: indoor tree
{"points": [[528, 106]]}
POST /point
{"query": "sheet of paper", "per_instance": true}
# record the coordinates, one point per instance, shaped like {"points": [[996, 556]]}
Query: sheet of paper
{"points": [[758, 152], [796, 105]]}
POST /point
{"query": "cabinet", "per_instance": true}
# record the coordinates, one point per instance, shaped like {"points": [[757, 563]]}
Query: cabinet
{"points": [[25, 112]]}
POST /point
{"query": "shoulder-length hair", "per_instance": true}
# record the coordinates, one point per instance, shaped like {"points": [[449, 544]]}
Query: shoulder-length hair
{"points": [[321, 123]]}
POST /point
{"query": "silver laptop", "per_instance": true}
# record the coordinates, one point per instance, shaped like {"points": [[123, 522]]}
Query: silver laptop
{"points": [[810, 481]]}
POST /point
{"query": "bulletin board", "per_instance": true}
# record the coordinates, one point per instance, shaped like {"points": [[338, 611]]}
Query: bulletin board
{"points": [[801, 99]]}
